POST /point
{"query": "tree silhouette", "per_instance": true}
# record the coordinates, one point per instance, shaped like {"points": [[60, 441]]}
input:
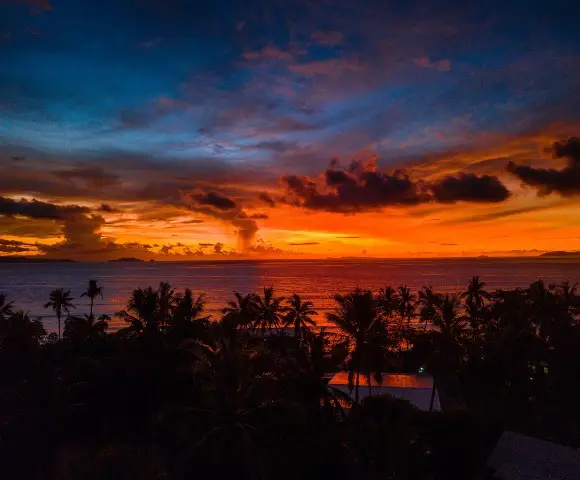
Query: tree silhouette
{"points": [[300, 315], [5, 307], [388, 302], [142, 312], [186, 307], [60, 301], [475, 297], [450, 324], [93, 291], [358, 318], [242, 311], [428, 301], [269, 311], [19, 333]]}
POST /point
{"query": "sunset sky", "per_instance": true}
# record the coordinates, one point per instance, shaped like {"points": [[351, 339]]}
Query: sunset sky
{"points": [[174, 129]]}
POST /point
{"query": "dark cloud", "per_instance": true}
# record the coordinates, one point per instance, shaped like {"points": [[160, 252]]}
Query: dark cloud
{"points": [[258, 216], [357, 188], [216, 200], [266, 198], [206, 245], [565, 182], [106, 208], [93, 176], [37, 209], [302, 244], [362, 187], [223, 208], [468, 187], [485, 217], [14, 246]]}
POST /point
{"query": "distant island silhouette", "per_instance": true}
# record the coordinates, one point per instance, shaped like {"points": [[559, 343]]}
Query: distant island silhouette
{"points": [[127, 259], [39, 259], [560, 253]]}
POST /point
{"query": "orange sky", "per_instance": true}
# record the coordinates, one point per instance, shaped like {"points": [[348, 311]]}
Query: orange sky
{"points": [[524, 224]]}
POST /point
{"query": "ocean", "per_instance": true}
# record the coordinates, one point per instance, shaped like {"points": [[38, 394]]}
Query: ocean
{"points": [[28, 285]]}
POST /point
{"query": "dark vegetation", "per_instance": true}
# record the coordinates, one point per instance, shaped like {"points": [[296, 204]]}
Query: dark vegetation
{"points": [[174, 395]]}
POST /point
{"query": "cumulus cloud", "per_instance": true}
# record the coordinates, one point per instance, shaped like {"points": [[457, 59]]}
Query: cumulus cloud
{"points": [[266, 198], [425, 62], [216, 200], [358, 187], [362, 187], [223, 208], [565, 182], [15, 246], [37, 209], [303, 244], [468, 187]]}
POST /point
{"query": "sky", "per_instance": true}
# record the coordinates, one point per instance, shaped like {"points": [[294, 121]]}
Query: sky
{"points": [[174, 129]]}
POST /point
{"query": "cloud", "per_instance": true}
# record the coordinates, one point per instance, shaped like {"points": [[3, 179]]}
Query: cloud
{"points": [[266, 198], [362, 187], [218, 206], [269, 52], [303, 244], [37, 209], [216, 200], [441, 65], [468, 187], [93, 176], [105, 207], [565, 182], [327, 68], [356, 188], [327, 39], [151, 43], [15, 246]]}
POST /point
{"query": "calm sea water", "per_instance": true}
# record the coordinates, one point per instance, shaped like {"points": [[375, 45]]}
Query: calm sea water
{"points": [[316, 280]]}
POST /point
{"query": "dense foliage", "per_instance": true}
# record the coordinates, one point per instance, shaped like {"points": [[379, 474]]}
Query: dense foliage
{"points": [[176, 394]]}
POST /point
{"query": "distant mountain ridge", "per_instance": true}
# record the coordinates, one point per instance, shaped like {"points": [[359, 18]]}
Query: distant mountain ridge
{"points": [[560, 253]]}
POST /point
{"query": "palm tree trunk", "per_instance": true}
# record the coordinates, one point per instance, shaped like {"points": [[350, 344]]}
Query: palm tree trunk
{"points": [[58, 319], [92, 300]]}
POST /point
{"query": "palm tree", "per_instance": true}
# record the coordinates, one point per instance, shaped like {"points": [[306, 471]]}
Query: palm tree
{"points": [[428, 301], [81, 329], [165, 301], [241, 312], [186, 308], [269, 311], [387, 301], [93, 291], [405, 306], [406, 311], [142, 311], [60, 300], [300, 315], [238, 389], [357, 317], [475, 297], [450, 325], [568, 293], [19, 333], [5, 307]]}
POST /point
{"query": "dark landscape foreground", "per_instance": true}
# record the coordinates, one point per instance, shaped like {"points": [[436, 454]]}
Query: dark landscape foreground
{"points": [[175, 395]]}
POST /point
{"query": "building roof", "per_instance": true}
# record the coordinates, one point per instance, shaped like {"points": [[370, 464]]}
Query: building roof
{"points": [[519, 457], [388, 380]]}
